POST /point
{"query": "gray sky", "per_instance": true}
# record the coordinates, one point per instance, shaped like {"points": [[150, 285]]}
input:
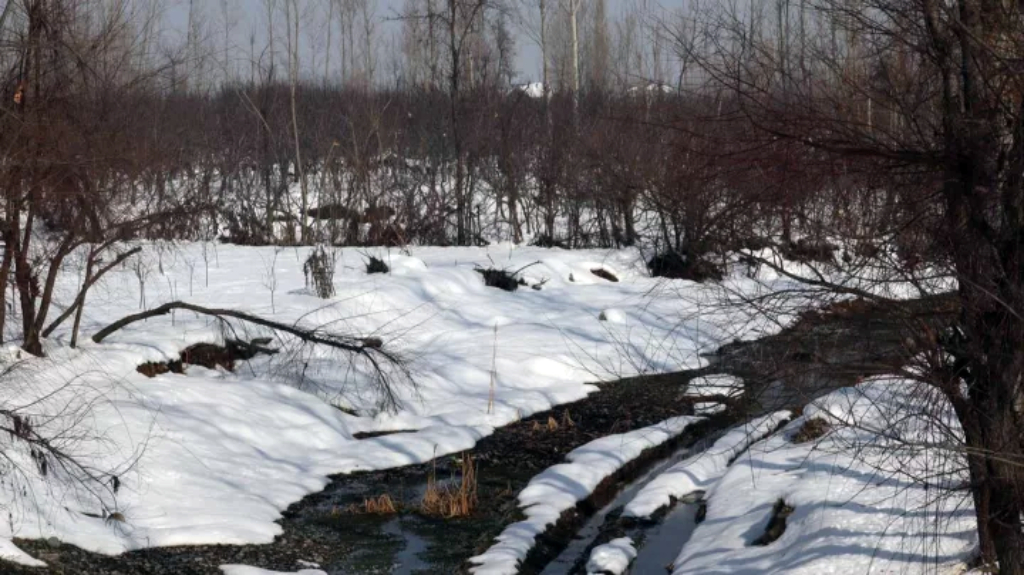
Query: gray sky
{"points": [[248, 16]]}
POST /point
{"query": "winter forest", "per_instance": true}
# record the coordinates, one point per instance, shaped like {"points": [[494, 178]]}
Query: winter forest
{"points": [[333, 287]]}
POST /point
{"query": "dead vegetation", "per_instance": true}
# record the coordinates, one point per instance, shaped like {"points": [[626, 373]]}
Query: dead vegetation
{"points": [[553, 424], [675, 265], [380, 505], [776, 524], [210, 356], [504, 279], [812, 429], [319, 272], [447, 500], [375, 265], [501, 279], [368, 349]]}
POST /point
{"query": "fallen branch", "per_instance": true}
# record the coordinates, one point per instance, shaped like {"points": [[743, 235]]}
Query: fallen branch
{"points": [[367, 347]]}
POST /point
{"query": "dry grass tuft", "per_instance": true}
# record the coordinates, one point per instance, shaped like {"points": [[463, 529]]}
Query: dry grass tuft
{"points": [[381, 505], [448, 501], [567, 421]]}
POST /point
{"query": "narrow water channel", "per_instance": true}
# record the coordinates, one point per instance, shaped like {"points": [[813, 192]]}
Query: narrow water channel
{"points": [[573, 559]]}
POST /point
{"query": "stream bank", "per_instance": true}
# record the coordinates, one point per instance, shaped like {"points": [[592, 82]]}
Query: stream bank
{"points": [[819, 353]]}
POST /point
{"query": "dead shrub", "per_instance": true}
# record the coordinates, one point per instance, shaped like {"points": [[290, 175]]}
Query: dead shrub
{"points": [[776, 524], [375, 265], [501, 279], [380, 505], [567, 421], [808, 251], [505, 279], [449, 501], [812, 429], [675, 265], [319, 272]]}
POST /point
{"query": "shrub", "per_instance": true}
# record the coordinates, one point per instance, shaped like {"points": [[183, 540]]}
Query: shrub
{"points": [[375, 265], [813, 428], [501, 279], [319, 272], [675, 265], [808, 251]]}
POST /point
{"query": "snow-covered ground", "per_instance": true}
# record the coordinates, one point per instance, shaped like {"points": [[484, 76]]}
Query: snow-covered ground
{"points": [[857, 504], [213, 457]]}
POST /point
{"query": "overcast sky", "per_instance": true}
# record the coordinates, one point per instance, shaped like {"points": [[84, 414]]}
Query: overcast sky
{"points": [[246, 16]]}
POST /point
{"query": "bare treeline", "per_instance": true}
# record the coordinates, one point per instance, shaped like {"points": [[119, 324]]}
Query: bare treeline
{"points": [[891, 129], [447, 153]]}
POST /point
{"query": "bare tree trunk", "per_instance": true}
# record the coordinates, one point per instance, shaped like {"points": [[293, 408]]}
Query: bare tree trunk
{"points": [[293, 50]]}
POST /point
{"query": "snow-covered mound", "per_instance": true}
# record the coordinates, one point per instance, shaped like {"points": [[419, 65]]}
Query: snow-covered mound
{"points": [[856, 505], [699, 472], [612, 557]]}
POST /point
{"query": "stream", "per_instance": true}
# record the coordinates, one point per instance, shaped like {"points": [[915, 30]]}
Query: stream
{"points": [[328, 528]]}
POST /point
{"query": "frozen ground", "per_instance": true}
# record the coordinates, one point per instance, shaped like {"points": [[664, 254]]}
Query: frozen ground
{"points": [[214, 457]]}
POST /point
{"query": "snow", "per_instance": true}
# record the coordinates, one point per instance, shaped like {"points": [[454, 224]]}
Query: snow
{"points": [[613, 557], [708, 408], [714, 385], [533, 89], [560, 487], [214, 457], [856, 505], [247, 570], [613, 316], [11, 553], [699, 472]]}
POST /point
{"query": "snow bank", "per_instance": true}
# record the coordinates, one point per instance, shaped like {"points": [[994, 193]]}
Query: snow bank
{"points": [[11, 553], [612, 557], [714, 385], [708, 408], [699, 472], [559, 487], [856, 506]]}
